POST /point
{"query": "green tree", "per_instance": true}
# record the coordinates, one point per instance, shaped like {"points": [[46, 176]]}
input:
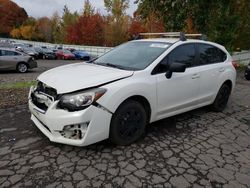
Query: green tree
{"points": [[172, 13], [242, 40], [221, 20], [56, 28], [88, 9], [117, 22], [68, 19]]}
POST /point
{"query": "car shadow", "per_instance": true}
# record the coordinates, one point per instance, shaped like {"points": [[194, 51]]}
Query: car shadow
{"points": [[172, 126]]}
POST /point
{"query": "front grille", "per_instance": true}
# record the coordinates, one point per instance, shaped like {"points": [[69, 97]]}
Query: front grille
{"points": [[44, 90], [47, 90]]}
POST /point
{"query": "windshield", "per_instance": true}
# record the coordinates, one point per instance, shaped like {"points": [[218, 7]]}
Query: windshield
{"points": [[136, 55], [47, 50], [67, 52]]}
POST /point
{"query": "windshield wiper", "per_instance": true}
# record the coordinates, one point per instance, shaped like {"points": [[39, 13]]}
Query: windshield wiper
{"points": [[92, 60], [114, 66]]}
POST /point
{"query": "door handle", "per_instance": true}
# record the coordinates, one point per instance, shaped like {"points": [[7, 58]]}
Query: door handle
{"points": [[222, 69], [195, 76]]}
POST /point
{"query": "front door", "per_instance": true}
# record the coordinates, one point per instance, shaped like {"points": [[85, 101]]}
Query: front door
{"points": [[179, 93]]}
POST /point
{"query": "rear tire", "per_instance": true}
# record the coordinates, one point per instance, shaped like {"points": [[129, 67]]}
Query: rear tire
{"points": [[22, 68], [128, 123], [247, 76], [221, 99]]}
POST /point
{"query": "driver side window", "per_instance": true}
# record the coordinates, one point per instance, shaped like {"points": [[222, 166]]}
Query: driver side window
{"points": [[182, 54]]}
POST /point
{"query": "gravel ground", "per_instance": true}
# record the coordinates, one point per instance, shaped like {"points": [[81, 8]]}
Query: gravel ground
{"points": [[13, 97]]}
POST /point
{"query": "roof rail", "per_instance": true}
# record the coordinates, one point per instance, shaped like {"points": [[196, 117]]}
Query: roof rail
{"points": [[181, 35]]}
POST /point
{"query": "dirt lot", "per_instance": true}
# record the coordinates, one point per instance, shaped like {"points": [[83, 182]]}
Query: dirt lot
{"points": [[202, 149]]}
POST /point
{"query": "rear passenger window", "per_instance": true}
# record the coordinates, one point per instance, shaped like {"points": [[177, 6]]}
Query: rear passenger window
{"points": [[209, 54], [183, 54], [15, 53], [8, 53]]}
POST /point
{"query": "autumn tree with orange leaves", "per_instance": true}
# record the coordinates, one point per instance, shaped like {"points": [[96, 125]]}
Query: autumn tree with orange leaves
{"points": [[11, 16]]}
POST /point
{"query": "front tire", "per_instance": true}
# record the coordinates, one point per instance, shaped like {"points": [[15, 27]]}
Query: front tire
{"points": [[22, 68], [128, 123], [221, 99]]}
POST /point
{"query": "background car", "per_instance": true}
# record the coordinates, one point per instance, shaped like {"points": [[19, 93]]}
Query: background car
{"points": [[81, 55], [64, 54], [71, 49], [247, 72], [10, 59], [27, 50], [45, 53]]}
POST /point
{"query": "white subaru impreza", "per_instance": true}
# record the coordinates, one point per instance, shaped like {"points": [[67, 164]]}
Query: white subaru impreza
{"points": [[139, 82]]}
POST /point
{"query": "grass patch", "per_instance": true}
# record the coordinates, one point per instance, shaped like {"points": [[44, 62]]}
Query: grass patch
{"points": [[17, 85]]}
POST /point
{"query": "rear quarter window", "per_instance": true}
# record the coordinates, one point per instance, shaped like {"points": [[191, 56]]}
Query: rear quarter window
{"points": [[209, 54]]}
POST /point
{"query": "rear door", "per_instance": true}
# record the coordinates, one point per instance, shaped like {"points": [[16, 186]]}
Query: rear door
{"points": [[179, 93], [211, 64]]}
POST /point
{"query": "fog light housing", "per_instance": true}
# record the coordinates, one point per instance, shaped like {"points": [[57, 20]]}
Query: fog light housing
{"points": [[75, 132]]}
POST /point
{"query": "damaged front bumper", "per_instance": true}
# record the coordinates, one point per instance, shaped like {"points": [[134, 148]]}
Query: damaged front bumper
{"points": [[80, 128]]}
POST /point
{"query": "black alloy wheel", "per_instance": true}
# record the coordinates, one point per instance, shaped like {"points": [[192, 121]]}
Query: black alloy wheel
{"points": [[128, 123]]}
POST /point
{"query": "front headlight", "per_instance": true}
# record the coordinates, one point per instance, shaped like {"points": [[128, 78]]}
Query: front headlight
{"points": [[80, 101]]}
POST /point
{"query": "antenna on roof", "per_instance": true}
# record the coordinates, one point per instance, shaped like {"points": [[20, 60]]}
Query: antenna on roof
{"points": [[181, 35]]}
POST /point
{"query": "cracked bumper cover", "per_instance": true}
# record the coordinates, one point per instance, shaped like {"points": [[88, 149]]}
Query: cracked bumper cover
{"points": [[54, 120]]}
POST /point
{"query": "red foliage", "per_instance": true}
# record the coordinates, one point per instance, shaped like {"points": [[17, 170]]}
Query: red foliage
{"points": [[88, 30], [135, 28], [11, 15]]}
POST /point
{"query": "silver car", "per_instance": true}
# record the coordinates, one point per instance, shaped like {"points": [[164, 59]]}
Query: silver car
{"points": [[10, 59]]}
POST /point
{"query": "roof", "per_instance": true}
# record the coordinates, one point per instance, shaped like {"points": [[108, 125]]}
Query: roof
{"points": [[174, 40], [167, 40]]}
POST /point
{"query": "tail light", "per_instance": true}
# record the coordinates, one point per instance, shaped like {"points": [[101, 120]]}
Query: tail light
{"points": [[235, 64]]}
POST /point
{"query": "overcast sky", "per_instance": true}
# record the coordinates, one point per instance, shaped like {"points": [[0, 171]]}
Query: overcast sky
{"points": [[40, 8]]}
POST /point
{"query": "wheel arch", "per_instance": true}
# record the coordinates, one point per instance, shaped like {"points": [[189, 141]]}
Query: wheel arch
{"points": [[229, 83], [143, 101]]}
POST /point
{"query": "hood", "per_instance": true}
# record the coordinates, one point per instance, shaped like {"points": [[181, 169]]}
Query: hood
{"points": [[69, 78], [69, 55]]}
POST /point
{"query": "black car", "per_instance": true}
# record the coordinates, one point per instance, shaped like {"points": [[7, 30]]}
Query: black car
{"points": [[27, 50], [247, 72], [45, 53]]}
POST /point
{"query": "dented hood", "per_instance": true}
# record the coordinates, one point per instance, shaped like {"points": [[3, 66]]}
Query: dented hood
{"points": [[69, 78]]}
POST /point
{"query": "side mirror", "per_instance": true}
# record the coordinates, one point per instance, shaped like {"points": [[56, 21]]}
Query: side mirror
{"points": [[175, 67]]}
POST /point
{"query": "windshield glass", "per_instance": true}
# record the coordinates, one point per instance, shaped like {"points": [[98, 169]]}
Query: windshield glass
{"points": [[136, 55], [67, 52]]}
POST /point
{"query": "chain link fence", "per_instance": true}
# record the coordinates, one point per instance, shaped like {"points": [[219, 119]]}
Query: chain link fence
{"points": [[242, 57], [93, 50]]}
